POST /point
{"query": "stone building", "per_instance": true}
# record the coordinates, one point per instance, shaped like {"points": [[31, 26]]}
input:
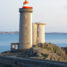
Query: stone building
{"points": [[38, 33]]}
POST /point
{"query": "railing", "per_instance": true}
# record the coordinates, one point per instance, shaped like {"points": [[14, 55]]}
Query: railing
{"points": [[26, 62]]}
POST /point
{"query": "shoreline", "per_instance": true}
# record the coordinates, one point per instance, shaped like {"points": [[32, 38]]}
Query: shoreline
{"points": [[45, 33]]}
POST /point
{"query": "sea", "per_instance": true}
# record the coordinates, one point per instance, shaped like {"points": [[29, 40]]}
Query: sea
{"points": [[60, 39]]}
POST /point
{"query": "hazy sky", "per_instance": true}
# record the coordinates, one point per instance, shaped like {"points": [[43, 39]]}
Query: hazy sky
{"points": [[52, 12]]}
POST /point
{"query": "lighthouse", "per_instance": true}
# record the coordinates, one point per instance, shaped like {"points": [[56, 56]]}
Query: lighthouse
{"points": [[25, 27]]}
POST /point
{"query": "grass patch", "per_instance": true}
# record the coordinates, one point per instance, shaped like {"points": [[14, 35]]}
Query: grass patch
{"points": [[46, 47], [55, 49]]}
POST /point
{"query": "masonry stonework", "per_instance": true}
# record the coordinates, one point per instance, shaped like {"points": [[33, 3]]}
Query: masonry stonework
{"points": [[34, 38], [38, 33], [25, 33]]}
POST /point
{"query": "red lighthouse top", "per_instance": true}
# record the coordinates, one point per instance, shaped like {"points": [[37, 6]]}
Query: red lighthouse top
{"points": [[25, 4]]}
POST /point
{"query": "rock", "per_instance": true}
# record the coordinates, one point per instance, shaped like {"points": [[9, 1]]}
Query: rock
{"points": [[47, 51]]}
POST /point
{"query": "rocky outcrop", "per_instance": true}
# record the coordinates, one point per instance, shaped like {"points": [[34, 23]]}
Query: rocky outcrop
{"points": [[65, 49], [46, 51]]}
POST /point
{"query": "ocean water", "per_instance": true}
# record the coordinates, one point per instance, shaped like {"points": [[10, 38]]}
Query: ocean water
{"points": [[7, 39], [58, 39]]}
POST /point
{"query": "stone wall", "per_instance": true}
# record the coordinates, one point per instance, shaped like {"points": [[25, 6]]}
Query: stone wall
{"points": [[25, 62], [14, 46]]}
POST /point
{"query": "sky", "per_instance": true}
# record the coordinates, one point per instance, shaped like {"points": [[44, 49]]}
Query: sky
{"points": [[51, 12]]}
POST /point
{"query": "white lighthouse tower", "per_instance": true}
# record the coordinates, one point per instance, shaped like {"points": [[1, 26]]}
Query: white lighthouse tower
{"points": [[25, 32]]}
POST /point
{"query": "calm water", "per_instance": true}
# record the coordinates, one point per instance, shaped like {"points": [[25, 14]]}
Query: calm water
{"points": [[7, 39]]}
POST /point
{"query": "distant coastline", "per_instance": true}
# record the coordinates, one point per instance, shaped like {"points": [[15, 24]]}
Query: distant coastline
{"points": [[9, 32], [46, 32], [55, 33]]}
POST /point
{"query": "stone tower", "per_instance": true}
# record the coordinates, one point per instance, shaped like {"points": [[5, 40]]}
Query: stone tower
{"points": [[25, 33], [38, 33], [34, 26]]}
